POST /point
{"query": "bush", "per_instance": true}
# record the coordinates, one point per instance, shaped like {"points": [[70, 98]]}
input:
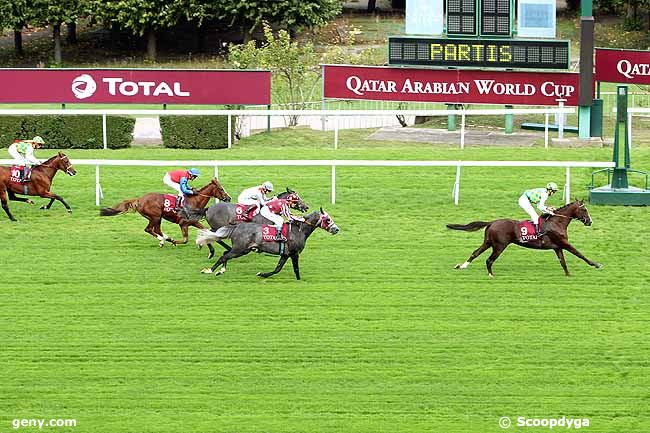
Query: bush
{"points": [[196, 132], [68, 132]]}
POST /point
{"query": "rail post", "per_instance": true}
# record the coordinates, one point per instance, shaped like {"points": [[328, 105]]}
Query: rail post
{"points": [[462, 130], [104, 138], [456, 190], [545, 130], [333, 184], [336, 132], [567, 186], [229, 132], [98, 187]]}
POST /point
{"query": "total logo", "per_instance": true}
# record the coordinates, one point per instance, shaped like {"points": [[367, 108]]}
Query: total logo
{"points": [[84, 86]]}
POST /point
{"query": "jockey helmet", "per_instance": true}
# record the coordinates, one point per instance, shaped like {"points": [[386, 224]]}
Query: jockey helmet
{"points": [[194, 171], [551, 186], [38, 140], [268, 186]]}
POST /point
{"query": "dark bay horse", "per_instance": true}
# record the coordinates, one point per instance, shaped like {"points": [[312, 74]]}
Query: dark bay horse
{"points": [[503, 232], [247, 237], [222, 214], [39, 184], [151, 206]]}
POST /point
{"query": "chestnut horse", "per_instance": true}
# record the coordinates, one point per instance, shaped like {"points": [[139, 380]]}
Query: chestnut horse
{"points": [[151, 207], [39, 184], [500, 233]]}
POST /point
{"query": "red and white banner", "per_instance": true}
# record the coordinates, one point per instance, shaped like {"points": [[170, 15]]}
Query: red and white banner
{"points": [[622, 66], [450, 86], [139, 86]]}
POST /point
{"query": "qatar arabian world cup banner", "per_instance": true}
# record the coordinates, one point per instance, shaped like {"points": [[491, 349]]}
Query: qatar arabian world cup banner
{"points": [[622, 66], [139, 86], [451, 86]]}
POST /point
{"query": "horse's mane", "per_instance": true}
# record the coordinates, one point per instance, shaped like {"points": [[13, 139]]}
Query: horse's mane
{"points": [[207, 185], [568, 204]]}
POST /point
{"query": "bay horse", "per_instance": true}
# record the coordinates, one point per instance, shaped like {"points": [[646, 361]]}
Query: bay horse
{"points": [[38, 185], [247, 237], [152, 205], [222, 214], [503, 232]]}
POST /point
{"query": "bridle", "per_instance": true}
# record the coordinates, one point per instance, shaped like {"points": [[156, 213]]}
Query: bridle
{"points": [[65, 160]]}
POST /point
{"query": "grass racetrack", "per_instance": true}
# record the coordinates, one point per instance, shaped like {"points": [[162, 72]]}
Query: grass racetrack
{"points": [[100, 325]]}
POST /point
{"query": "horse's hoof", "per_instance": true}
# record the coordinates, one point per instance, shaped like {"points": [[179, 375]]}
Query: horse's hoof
{"points": [[599, 266], [69, 210], [491, 275], [43, 207], [210, 255], [14, 220], [29, 202], [206, 271], [457, 266], [161, 244]]}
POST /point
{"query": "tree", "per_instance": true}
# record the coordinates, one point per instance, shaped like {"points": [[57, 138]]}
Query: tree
{"points": [[56, 13], [295, 67], [15, 14], [294, 15], [148, 17]]}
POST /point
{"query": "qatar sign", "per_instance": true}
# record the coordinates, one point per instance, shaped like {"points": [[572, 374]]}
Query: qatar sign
{"points": [[139, 86], [622, 66], [450, 86]]}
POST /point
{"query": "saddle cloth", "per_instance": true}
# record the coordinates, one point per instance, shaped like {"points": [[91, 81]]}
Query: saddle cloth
{"points": [[241, 215], [527, 230], [269, 232], [15, 174]]}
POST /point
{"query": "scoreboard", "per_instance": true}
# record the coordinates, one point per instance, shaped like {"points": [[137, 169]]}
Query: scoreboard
{"points": [[482, 53]]}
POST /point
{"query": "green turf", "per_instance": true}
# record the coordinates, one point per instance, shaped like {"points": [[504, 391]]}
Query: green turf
{"points": [[99, 324]]}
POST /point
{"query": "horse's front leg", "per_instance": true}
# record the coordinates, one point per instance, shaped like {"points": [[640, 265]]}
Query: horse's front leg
{"points": [[560, 255], [5, 206], [296, 266], [278, 268], [49, 205], [53, 197], [570, 248]]}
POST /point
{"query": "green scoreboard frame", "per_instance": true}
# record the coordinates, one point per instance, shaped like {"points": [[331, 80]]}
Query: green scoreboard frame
{"points": [[481, 53]]}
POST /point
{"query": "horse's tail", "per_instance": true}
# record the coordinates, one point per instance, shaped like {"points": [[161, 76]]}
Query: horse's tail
{"points": [[207, 236], [121, 208], [471, 227]]}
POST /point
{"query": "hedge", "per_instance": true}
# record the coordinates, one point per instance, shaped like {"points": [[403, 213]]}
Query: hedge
{"points": [[68, 132], [196, 132]]}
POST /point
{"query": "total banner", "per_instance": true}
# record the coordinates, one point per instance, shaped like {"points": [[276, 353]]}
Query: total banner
{"points": [[622, 66], [140, 86], [450, 86]]}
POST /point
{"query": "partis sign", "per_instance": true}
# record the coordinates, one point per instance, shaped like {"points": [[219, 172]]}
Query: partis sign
{"points": [[142, 86], [622, 66], [450, 86]]}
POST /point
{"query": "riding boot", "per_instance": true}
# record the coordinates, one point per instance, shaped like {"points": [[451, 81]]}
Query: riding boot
{"points": [[179, 203], [539, 230], [250, 208], [278, 235], [27, 174]]}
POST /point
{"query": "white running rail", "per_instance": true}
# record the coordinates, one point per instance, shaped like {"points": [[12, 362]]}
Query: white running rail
{"points": [[336, 114], [567, 165]]}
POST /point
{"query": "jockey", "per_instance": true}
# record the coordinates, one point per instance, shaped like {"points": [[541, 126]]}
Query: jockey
{"points": [[22, 151], [275, 210], [255, 196], [178, 181], [538, 196]]}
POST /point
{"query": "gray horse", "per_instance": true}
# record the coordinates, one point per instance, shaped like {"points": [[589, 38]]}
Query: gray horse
{"points": [[223, 214], [247, 237]]}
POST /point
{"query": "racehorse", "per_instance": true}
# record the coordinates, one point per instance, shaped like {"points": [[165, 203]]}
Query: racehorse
{"points": [[152, 207], [39, 183], [247, 237], [222, 214], [502, 232]]}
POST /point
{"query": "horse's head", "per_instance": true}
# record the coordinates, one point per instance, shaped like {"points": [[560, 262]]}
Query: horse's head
{"points": [[62, 162], [578, 210], [294, 200], [214, 189], [327, 223]]}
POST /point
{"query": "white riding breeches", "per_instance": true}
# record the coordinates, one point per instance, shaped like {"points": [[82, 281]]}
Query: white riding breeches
{"points": [[277, 219], [528, 207], [167, 180]]}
